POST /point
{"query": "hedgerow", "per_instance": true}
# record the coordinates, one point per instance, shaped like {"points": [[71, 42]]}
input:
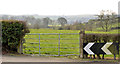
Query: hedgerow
{"points": [[13, 32]]}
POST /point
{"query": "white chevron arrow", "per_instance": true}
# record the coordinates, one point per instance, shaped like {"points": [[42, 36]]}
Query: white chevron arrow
{"points": [[87, 48], [105, 48]]}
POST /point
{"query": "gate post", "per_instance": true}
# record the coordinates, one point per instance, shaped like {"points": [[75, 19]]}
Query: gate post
{"points": [[23, 41], [81, 35], [119, 51], [39, 45], [59, 46], [20, 46]]}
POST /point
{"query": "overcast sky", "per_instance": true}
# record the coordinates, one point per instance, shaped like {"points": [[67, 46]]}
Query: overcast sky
{"points": [[56, 7]]}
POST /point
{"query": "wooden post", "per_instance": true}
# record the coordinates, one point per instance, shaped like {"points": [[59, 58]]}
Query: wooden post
{"points": [[98, 56], [90, 56], [114, 57], [20, 47], [94, 57], [103, 56], [81, 43]]}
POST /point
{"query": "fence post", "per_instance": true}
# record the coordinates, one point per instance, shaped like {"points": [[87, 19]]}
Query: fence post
{"points": [[119, 51], [19, 50], [59, 46], [114, 50], [21, 47], [23, 41], [39, 44], [81, 43]]}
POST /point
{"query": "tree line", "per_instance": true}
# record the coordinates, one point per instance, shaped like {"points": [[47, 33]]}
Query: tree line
{"points": [[37, 23], [105, 21]]}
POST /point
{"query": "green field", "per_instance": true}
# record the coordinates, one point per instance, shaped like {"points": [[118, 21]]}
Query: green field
{"points": [[68, 31], [69, 44]]}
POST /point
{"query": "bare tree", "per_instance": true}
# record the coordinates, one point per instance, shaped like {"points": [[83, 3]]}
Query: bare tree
{"points": [[106, 18]]}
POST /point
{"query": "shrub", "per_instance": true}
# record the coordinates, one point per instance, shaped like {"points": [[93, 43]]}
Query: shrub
{"points": [[101, 38], [13, 32], [60, 28]]}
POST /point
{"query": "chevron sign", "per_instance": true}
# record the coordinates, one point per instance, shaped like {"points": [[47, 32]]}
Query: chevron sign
{"points": [[100, 48]]}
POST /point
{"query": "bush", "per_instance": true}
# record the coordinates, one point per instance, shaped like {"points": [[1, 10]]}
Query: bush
{"points": [[101, 38], [60, 28], [13, 32]]}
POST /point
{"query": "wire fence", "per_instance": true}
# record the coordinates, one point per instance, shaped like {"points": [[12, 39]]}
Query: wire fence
{"points": [[52, 44]]}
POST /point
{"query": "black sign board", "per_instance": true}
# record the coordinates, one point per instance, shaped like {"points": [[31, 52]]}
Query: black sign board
{"points": [[101, 48]]}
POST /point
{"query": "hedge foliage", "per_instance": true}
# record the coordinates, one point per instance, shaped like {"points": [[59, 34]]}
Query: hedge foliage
{"points": [[98, 38], [13, 32]]}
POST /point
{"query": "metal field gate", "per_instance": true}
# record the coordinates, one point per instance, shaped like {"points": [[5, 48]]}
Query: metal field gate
{"points": [[52, 44]]}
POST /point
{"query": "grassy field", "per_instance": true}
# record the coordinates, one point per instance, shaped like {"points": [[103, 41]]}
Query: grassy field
{"points": [[69, 44], [69, 31]]}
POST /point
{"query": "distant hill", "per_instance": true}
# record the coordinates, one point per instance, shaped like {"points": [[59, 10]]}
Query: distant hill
{"points": [[71, 19]]}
